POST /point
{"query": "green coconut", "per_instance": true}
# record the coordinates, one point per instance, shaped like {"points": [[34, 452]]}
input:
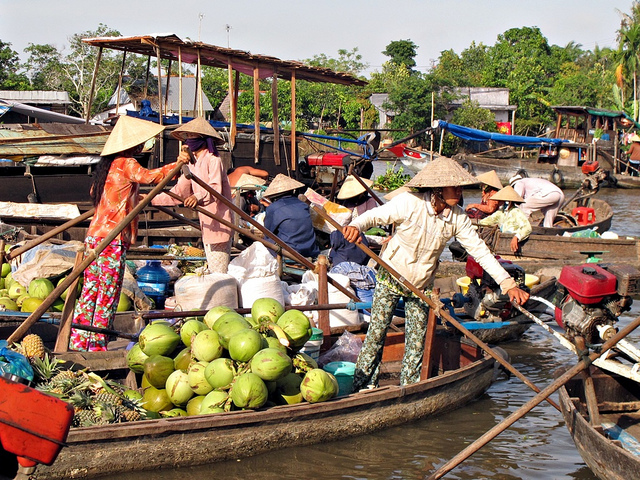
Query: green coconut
{"points": [[174, 412], [288, 390], [249, 391], [296, 326], [193, 405], [182, 360], [16, 290], [220, 372], [157, 369], [244, 344], [30, 304], [197, 380], [318, 386], [215, 313], [64, 294], [271, 364], [156, 400], [8, 304], [273, 342], [206, 346], [40, 288], [266, 310], [189, 328], [124, 303], [213, 402], [6, 269], [57, 305], [178, 388], [136, 358], [131, 394], [158, 339], [227, 325]]}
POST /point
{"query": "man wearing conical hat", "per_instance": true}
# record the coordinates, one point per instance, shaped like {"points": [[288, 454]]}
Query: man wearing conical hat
{"points": [[634, 155], [490, 185], [203, 140], [114, 193], [509, 218], [425, 220], [288, 217]]}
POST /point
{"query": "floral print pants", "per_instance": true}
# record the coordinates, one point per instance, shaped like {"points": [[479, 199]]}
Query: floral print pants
{"points": [[100, 295], [385, 301]]}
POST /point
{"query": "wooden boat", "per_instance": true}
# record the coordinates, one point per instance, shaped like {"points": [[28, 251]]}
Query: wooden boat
{"points": [[567, 219], [463, 375], [610, 447]]}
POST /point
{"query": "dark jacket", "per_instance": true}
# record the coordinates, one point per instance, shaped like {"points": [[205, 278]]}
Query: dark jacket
{"points": [[290, 220]]}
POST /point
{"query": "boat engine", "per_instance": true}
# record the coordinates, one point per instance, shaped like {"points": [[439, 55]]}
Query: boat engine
{"points": [[484, 300], [590, 295]]}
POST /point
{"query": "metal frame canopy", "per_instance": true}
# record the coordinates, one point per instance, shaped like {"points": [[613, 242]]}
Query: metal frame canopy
{"points": [[221, 57]]}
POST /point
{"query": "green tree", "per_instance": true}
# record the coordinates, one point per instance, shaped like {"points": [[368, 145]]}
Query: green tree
{"points": [[628, 48], [44, 67], [470, 114], [402, 52], [10, 79]]}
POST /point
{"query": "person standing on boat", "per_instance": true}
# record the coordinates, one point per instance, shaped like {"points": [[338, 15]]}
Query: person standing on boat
{"points": [[538, 194], [288, 217], [114, 194], [425, 221], [490, 185], [202, 139], [634, 155], [509, 218]]}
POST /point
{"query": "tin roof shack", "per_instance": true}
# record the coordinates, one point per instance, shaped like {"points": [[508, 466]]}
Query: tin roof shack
{"points": [[57, 102], [493, 99], [271, 146]]}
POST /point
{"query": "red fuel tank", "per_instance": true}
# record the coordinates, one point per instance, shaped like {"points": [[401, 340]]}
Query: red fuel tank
{"points": [[326, 159], [588, 283]]}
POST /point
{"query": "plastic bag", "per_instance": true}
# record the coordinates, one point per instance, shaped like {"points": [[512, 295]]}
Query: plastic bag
{"points": [[256, 269], [339, 213], [346, 349], [14, 363]]}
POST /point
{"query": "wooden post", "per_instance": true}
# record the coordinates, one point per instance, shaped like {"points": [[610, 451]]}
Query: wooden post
{"points": [[2, 255], [256, 114], [323, 295], [427, 360], [275, 119], [589, 389], [166, 92], [199, 87], [160, 109], [180, 88], [233, 105], [124, 56], [93, 85], [64, 331], [293, 122], [146, 78]]}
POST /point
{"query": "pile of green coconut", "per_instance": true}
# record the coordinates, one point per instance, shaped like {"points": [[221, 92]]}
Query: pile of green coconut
{"points": [[225, 361]]}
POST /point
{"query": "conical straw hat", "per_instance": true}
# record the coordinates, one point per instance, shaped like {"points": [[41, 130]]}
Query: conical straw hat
{"points": [[249, 182], [351, 187], [199, 126], [507, 194], [128, 133], [442, 172], [281, 184], [490, 178]]}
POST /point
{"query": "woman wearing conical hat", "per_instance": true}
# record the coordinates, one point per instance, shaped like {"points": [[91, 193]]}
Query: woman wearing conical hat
{"points": [[288, 217], [490, 186], [510, 218], [114, 193], [203, 139], [355, 197], [425, 221]]}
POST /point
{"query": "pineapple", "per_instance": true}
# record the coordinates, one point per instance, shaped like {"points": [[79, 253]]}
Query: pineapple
{"points": [[108, 398], [190, 251], [46, 367], [33, 346], [131, 415], [80, 400], [84, 418]]}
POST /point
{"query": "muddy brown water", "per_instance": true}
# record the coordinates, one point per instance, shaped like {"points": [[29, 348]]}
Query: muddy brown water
{"points": [[536, 447]]}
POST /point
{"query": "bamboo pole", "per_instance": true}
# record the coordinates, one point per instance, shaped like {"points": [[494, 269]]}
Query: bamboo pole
{"points": [[166, 92], [294, 154], [199, 85], [527, 407], [443, 313], [233, 106], [180, 86], [256, 114], [50, 234], [274, 118], [64, 331], [90, 257], [430, 336], [124, 57], [160, 109], [146, 78], [323, 295], [92, 91]]}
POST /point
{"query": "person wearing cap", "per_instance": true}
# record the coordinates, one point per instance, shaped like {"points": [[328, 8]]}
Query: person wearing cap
{"points": [[509, 218], [202, 139], [490, 185], [114, 193], [538, 194], [633, 155], [425, 221], [288, 217]]}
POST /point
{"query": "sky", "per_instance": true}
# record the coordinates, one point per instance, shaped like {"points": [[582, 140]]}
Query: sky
{"points": [[301, 29]]}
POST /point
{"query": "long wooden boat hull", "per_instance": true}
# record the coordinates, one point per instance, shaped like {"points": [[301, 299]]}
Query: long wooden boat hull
{"points": [[606, 458], [189, 441], [603, 218]]}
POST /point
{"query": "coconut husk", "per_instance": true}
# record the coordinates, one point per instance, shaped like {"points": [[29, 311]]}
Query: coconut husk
{"points": [[282, 183], [351, 187], [490, 178], [198, 126], [442, 172], [129, 132]]}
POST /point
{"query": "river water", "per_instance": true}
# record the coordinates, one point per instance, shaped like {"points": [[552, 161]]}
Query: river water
{"points": [[536, 447]]}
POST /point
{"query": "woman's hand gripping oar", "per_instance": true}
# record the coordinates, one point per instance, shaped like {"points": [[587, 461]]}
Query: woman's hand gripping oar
{"points": [[444, 313]]}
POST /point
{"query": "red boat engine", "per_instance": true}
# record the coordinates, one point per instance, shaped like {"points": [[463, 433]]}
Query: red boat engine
{"points": [[591, 295], [485, 301]]}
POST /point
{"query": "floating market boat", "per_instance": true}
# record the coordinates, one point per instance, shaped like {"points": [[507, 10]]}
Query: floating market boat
{"points": [[610, 444]]}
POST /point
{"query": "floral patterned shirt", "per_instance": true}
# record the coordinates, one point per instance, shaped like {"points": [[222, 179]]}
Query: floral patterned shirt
{"points": [[120, 196]]}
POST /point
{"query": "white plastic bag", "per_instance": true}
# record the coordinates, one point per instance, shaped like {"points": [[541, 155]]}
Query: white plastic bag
{"points": [[342, 317], [255, 269], [203, 292]]}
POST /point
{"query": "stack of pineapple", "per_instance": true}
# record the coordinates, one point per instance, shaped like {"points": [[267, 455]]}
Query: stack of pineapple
{"points": [[187, 266], [96, 401]]}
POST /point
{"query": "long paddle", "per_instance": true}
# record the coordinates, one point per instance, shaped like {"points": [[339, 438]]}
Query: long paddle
{"points": [[444, 313], [91, 255], [282, 245], [543, 395]]}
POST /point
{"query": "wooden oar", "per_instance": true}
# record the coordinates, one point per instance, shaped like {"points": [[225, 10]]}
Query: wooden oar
{"points": [[443, 312], [91, 255], [543, 395], [281, 245]]}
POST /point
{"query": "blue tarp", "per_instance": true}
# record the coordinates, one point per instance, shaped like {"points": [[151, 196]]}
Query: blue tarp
{"points": [[475, 135]]}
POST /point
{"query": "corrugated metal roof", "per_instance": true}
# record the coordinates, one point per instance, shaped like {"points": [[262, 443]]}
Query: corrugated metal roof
{"points": [[36, 96], [241, 61], [189, 85], [52, 139]]}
